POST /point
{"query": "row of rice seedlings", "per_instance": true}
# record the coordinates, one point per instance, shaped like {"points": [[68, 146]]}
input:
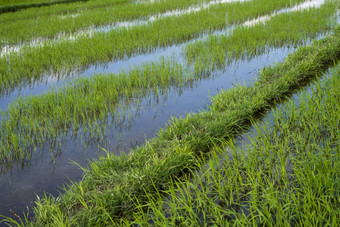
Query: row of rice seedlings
{"points": [[19, 28], [113, 185], [7, 49], [13, 2], [9, 8], [103, 47], [59, 9], [32, 121], [288, 174], [212, 53]]}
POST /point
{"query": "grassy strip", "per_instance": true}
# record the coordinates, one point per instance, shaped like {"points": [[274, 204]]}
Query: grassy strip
{"points": [[87, 102], [14, 2], [17, 7], [212, 52], [48, 23], [112, 185], [102, 47], [55, 10], [287, 176]]}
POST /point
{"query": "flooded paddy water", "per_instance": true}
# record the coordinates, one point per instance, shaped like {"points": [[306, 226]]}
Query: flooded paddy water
{"points": [[7, 49], [139, 120], [244, 145], [21, 183], [36, 87]]}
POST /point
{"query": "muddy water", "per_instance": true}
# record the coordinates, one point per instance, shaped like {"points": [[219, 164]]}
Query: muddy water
{"points": [[21, 184]]}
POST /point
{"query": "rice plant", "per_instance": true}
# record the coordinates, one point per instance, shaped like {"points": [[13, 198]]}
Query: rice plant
{"points": [[286, 175], [116, 186], [67, 55], [35, 120]]}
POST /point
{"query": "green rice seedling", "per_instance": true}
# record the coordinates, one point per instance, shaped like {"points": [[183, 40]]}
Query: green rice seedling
{"points": [[20, 5], [286, 175], [53, 21], [55, 8], [15, 2], [86, 101], [217, 51], [82, 104], [112, 185], [67, 56]]}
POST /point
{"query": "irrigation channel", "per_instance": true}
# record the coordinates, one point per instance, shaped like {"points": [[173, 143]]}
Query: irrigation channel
{"points": [[139, 120]]}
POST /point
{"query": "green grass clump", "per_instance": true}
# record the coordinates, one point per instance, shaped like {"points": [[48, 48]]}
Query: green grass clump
{"points": [[65, 56], [113, 185], [287, 175]]}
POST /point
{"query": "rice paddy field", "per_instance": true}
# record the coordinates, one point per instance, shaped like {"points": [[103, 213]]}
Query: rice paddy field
{"points": [[169, 113]]}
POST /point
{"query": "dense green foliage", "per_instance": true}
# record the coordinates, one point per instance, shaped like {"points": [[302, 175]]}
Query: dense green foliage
{"points": [[113, 186], [211, 53], [86, 103], [49, 22], [287, 175], [15, 2], [68, 55], [26, 5]]}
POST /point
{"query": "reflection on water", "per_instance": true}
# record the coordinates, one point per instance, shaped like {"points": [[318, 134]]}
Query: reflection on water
{"points": [[302, 6], [95, 128], [45, 82]]}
